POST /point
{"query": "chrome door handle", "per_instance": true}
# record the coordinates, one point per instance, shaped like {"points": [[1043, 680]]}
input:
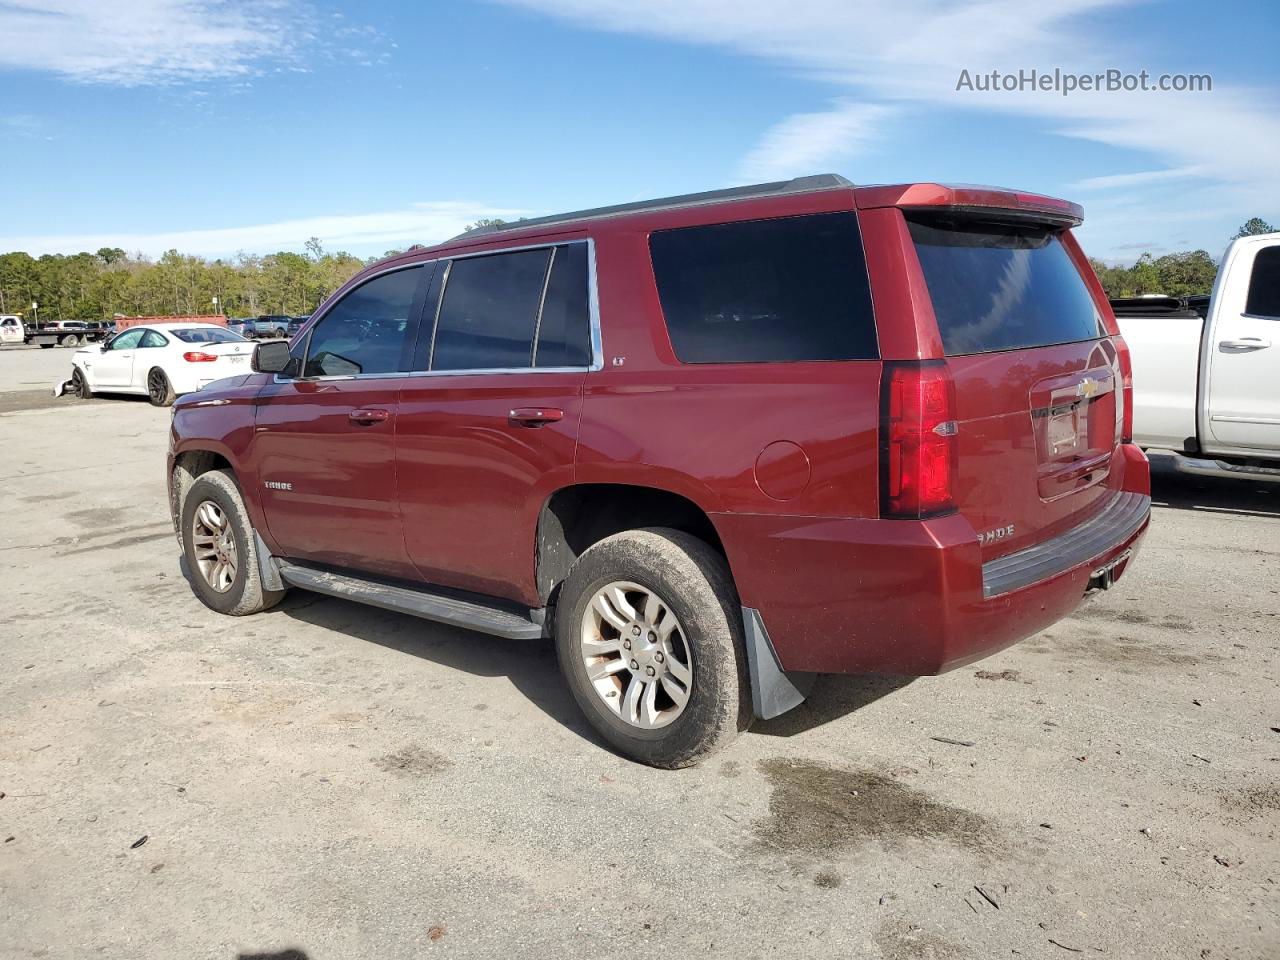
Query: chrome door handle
{"points": [[535, 416], [368, 417], [1245, 343]]}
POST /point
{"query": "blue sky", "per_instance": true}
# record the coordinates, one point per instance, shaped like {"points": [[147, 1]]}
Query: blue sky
{"points": [[216, 126]]}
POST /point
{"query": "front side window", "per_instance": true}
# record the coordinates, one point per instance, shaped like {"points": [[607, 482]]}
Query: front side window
{"points": [[366, 331], [758, 291], [1264, 284], [127, 340], [489, 312]]}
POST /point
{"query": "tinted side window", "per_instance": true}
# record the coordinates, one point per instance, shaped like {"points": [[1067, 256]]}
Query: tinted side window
{"points": [[1264, 284], [365, 331], [152, 339], [788, 289], [564, 337], [489, 311]]}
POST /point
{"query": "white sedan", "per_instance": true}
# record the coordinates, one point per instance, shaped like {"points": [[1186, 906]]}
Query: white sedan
{"points": [[161, 361]]}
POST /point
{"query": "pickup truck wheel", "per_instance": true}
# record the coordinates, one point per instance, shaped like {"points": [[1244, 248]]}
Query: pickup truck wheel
{"points": [[220, 548], [80, 385], [649, 638], [159, 390]]}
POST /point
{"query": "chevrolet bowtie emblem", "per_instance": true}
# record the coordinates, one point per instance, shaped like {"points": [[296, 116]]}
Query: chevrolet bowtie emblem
{"points": [[1087, 388]]}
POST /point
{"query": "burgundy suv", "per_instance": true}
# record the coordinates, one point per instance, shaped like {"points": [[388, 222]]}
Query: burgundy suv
{"points": [[713, 444]]}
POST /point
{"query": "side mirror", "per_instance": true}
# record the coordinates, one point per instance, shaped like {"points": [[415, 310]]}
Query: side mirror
{"points": [[272, 356]]}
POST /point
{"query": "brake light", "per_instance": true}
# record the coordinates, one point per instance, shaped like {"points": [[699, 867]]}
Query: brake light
{"points": [[195, 356], [918, 444], [1126, 391]]}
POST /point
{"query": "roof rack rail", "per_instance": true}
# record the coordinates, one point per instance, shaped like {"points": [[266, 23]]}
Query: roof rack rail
{"points": [[821, 181]]}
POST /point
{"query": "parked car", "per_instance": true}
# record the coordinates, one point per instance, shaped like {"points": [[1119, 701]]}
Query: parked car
{"points": [[241, 325], [274, 325], [162, 362], [1206, 380], [713, 444], [296, 324]]}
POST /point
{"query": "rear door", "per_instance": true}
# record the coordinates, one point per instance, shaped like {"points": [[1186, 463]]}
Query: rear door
{"points": [[1244, 352], [487, 428], [1038, 384], [324, 441]]}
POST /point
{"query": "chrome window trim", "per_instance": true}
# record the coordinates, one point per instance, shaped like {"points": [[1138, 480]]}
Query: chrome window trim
{"points": [[593, 321], [542, 305]]}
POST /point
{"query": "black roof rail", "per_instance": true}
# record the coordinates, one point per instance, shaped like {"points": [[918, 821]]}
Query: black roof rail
{"points": [[821, 181]]}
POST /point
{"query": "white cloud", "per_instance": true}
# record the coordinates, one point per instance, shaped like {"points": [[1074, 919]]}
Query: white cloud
{"points": [[806, 143], [134, 42], [911, 52], [365, 234], [1126, 180]]}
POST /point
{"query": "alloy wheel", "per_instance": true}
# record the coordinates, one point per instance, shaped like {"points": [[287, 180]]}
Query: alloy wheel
{"points": [[214, 546], [636, 656], [157, 387]]}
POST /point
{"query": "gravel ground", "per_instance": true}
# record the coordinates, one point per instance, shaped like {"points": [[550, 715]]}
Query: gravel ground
{"points": [[331, 781]]}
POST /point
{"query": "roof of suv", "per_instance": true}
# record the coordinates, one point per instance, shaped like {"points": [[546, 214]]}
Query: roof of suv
{"points": [[777, 188]]}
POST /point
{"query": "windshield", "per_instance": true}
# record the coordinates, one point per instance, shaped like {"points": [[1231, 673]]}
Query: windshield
{"points": [[207, 335], [1002, 286]]}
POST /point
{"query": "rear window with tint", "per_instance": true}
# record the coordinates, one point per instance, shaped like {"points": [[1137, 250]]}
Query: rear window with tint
{"points": [[757, 291], [1002, 286], [207, 335]]}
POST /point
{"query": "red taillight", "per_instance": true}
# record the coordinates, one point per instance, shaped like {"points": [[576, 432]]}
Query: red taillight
{"points": [[917, 440], [195, 356], [1126, 391]]}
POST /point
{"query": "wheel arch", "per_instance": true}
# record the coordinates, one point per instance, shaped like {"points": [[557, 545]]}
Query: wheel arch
{"points": [[577, 516]]}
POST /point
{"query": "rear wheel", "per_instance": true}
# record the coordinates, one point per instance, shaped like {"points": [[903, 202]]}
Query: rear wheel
{"points": [[80, 385], [70, 341], [47, 346], [159, 390], [220, 548], [649, 637]]}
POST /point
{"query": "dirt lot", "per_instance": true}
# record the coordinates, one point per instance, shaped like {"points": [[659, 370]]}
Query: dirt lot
{"points": [[330, 781]]}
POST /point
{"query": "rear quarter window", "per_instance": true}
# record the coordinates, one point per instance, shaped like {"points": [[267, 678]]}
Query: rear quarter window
{"points": [[759, 291], [1001, 286]]}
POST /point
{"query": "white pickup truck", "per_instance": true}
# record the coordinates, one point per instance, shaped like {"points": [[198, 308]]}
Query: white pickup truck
{"points": [[1208, 388]]}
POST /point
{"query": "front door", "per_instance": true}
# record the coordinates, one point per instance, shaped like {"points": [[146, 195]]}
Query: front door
{"points": [[487, 430], [113, 367], [10, 330], [1244, 404], [324, 442]]}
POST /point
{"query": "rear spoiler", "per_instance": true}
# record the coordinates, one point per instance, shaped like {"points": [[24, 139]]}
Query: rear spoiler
{"points": [[986, 201]]}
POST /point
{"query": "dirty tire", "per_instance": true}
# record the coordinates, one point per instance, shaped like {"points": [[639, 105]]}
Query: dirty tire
{"points": [[80, 385], [246, 594], [159, 389], [695, 582], [71, 341]]}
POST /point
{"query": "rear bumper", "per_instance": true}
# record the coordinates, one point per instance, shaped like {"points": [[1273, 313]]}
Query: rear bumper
{"points": [[913, 597]]}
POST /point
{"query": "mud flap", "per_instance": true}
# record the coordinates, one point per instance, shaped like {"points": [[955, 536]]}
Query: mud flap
{"points": [[774, 691]]}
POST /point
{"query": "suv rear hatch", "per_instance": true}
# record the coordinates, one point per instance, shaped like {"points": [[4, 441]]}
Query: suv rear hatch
{"points": [[1037, 379]]}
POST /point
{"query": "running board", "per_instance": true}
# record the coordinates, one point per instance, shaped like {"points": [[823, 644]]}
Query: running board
{"points": [[1217, 468], [494, 618]]}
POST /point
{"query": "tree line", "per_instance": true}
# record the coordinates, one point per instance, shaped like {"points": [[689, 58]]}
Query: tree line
{"points": [[98, 286]]}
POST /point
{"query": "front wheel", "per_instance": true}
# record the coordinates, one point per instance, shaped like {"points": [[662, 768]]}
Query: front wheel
{"points": [[220, 548], [80, 385], [159, 389], [649, 638]]}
